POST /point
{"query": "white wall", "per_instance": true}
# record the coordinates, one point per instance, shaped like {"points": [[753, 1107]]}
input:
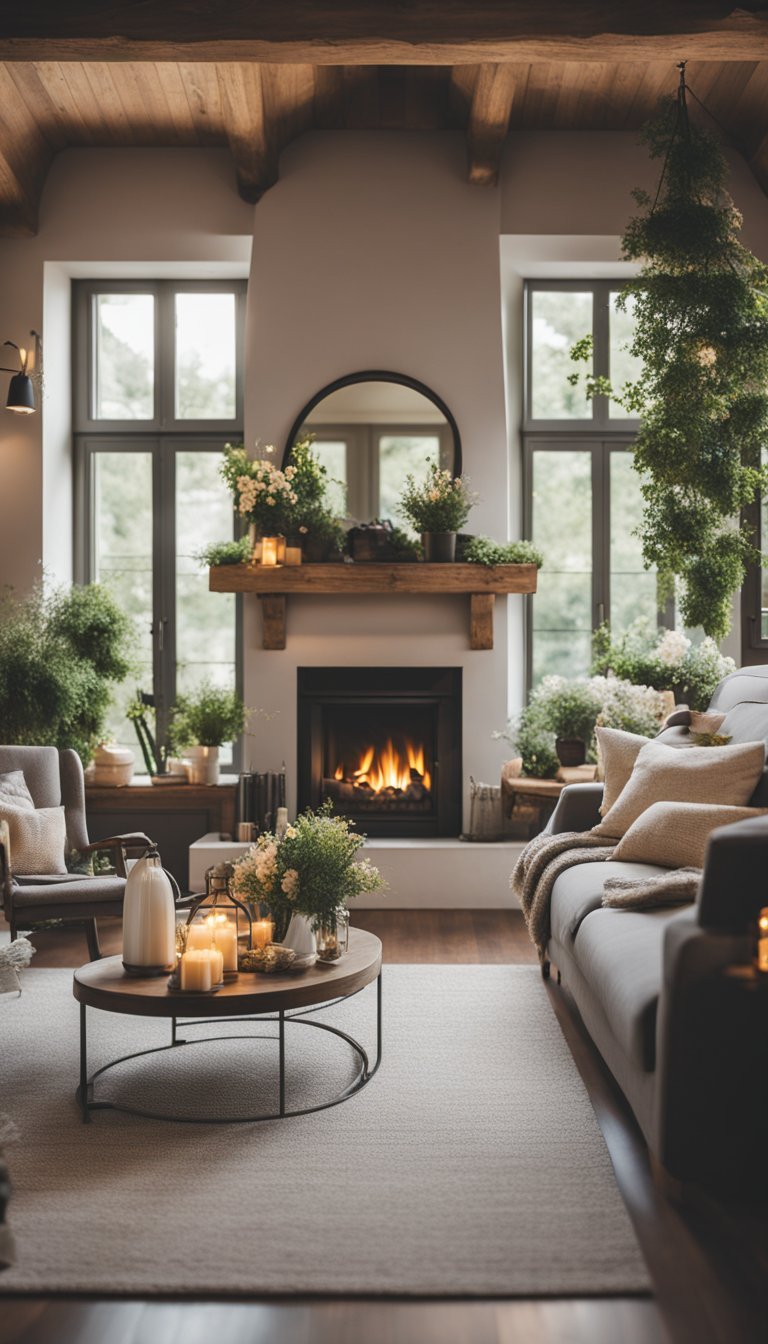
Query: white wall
{"points": [[373, 252], [103, 213]]}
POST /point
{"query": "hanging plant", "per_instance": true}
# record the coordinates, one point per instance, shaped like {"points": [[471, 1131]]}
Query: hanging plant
{"points": [[701, 334]]}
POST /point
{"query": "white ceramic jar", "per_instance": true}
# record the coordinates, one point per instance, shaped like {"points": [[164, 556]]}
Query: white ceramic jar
{"points": [[149, 919]]}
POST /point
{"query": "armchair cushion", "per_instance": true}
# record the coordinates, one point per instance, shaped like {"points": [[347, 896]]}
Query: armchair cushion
{"points": [[76, 891], [38, 838], [14, 791]]}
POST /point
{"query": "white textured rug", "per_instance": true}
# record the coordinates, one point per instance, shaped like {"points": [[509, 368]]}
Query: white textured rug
{"points": [[472, 1164]]}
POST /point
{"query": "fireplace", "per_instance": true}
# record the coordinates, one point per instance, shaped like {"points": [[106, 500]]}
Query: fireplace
{"points": [[384, 744]]}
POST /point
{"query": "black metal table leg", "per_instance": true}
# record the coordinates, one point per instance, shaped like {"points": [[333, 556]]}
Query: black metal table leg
{"points": [[379, 1030], [282, 1062], [83, 1068]]}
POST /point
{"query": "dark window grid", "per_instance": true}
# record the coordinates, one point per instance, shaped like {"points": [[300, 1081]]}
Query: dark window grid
{"points": [[598, 418], [362, 456], [93, 435], [163, 451], [600, 452], [164, 293]]}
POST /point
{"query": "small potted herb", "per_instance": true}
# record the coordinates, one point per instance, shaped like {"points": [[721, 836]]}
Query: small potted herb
{"points": [[438, 508], [201, 723]]}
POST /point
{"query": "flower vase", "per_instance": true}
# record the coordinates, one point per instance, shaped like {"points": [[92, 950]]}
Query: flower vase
{"points": [[301, 937], [439, 547]]}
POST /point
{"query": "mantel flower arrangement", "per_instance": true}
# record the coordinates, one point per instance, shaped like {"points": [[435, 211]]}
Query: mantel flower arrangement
{"points": [[286, 502], [440, 503], [264, 495], [312, 870]]}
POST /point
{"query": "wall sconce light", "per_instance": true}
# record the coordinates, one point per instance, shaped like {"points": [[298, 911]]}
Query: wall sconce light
{"points": [[21, 391]]}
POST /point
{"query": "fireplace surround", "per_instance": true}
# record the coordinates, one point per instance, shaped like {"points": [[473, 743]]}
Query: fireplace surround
{"points": [[384, 744]]}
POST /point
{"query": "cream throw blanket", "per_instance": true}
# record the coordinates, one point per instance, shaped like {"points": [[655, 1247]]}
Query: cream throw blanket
{"points": [[547, 856]]}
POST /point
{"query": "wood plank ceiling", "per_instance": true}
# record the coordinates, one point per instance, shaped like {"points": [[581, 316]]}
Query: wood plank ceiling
{"points": [[85, 86]]}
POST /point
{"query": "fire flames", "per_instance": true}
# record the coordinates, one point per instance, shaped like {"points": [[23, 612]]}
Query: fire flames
{"points": [[386, 768]]}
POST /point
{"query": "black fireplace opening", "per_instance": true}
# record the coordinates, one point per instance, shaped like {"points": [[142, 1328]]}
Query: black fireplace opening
{"points": [[384, 745]]}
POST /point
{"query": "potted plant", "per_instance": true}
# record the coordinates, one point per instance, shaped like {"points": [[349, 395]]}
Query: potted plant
{"points": [[61, 653], [664, 659], [201, 722], [438, 508], [306, 878]]}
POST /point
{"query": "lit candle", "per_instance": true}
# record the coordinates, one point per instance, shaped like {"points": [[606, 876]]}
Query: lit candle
{"points": [[217, 966], [225, 939], [200, 936], [762, 941], [269, 551], [262, 932], [281, 822], [196, 969]]}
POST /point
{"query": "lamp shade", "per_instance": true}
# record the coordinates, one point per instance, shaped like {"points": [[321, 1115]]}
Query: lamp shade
{"points": [[21, 395]]}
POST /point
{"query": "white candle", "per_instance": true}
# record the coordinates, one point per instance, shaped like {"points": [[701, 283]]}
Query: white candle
{"points": [[217, 966], [225, 939], [200, 936], [262, 932], [196, 969], [281, 822]]}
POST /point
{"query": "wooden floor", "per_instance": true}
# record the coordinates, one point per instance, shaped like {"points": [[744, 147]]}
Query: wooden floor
{"points": [[709, 1265]]}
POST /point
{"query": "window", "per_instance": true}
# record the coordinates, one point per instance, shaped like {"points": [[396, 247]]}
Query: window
{"points": [[754, 593], [582, 496], [158, 393]]}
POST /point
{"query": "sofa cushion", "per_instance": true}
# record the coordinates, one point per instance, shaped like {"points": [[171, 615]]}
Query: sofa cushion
{"points": [[619, 952], [617, 752], [14, 791], [579, 890], [677, 834], [726, 775]]}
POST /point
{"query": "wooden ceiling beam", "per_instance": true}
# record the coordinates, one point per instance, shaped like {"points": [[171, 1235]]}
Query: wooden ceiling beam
{"points": [[247, 128], [384, 32], [489, 114]]}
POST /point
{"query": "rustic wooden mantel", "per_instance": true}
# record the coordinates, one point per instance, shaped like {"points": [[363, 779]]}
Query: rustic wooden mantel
{"points": [[273, 586]]}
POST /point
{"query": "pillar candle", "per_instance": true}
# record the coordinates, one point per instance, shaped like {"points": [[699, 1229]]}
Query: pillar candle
{"points": [[200, 936], [269, 551], [196, 969], [217, 966], [225, 939], [762, 942], [262, 931]]}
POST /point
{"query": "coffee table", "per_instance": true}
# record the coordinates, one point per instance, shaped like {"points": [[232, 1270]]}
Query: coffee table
{"points": [[282, 999]]}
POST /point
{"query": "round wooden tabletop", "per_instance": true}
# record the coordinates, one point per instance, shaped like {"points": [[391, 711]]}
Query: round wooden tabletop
{"points": [[104, 984]]}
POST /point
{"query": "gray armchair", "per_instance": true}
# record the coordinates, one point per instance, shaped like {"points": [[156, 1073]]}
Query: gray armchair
{"points": [[54, 777]]}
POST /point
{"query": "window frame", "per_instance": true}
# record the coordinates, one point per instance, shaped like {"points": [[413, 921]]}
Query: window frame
{"points": [[362, 438], [600, 435], [162, 437], [600, 421], [164, 293]]}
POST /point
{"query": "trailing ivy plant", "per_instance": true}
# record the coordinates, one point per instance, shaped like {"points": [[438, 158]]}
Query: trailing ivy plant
{"points": [[701, 334]]}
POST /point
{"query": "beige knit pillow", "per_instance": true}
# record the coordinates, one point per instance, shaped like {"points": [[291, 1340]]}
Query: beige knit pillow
{"points": [[675, 835], [14, 791], [38, 839], [617, 752], [725, 775]]}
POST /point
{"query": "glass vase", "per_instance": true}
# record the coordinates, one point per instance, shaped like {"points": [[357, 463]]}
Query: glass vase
{"points": [[333, 938]]}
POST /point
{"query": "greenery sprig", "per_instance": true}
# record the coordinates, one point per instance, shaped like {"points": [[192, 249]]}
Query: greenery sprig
{"points": [[701, 334], [483, 551]]}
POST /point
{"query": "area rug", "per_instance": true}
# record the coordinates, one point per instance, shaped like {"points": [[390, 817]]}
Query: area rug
{"points": [[472, 1163]]}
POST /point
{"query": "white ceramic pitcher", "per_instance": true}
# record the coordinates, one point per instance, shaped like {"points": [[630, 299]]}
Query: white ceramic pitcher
{"points": [[149, 919]]}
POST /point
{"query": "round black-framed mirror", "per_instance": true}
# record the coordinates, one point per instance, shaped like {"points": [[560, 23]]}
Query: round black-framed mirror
{"points": [[371, 428]]}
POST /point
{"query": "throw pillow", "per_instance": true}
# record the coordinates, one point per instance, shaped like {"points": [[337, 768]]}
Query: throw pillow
{"points": [[14, 791], [725, 775], [675, 835], [37, 839], [617, 751], [706, 722]]}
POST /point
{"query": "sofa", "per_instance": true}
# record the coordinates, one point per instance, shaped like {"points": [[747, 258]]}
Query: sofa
{"points": [[666, 994]]}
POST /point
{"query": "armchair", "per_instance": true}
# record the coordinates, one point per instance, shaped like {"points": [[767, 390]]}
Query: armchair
{"points": [[54, 778]]}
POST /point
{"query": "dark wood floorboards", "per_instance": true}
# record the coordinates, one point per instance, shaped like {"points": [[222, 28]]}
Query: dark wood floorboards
{"points": [[709, 1264]]}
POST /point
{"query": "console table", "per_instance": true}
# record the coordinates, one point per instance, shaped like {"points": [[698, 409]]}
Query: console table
{"points": [[174, 815]]}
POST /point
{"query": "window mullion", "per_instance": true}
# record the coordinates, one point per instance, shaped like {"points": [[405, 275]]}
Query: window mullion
{"points": [[164, 540], [600, 595]]}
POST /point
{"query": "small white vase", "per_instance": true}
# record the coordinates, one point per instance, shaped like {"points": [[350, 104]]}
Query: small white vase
{"points": [[301, 937], [203, 765]]}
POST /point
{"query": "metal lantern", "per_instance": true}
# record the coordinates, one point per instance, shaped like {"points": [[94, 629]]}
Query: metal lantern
{"points": [[229, 919]]}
